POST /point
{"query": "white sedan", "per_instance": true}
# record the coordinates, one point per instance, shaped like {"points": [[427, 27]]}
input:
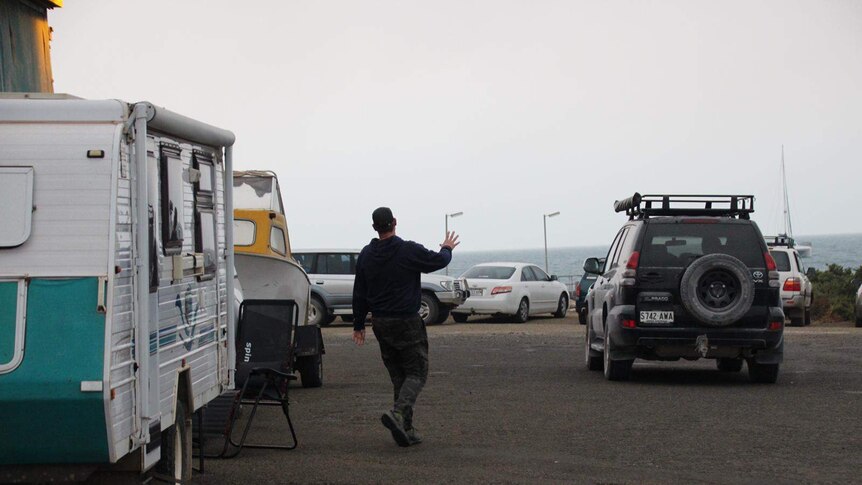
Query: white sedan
{"points": [[517, 289]]}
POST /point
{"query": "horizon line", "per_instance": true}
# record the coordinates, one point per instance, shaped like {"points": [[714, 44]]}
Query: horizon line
{"points": [[541, 248]]}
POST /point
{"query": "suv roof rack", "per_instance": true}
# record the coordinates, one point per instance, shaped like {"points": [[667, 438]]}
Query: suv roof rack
{"points": [[780, 240], [644, 206]]}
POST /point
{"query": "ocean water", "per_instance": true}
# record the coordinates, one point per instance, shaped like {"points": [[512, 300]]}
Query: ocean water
{"points": [[843, 249]]}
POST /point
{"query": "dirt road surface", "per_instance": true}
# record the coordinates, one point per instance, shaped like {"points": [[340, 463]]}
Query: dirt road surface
{"points": [[514, 403]]}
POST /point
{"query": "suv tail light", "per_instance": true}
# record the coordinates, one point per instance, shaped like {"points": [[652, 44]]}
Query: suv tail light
{"points": [[770, 263], [634, 260], [793, 284], [578, 289], [631, 272], [501, 289]]}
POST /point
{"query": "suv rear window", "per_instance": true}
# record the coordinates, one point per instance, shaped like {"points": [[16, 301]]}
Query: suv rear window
{"points": [[782, 260], [678, 244]]}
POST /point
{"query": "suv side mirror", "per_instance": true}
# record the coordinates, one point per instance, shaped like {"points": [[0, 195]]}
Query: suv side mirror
{"points": [[592, 265], [554, 277], [855, 282], [810, 273]]}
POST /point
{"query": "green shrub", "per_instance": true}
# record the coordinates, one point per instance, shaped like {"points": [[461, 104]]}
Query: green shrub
{"points": [[834, 293]]}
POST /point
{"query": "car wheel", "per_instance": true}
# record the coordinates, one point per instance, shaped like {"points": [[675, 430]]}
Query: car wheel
{"points": [[428, 309], [310, 369], [582, 315], [442, 316], [460, 317], [347, 318], [523, 313], [729, 365], [797, 320], [176, 454], [762, 373], [717, 289], [562, 306], [615, 370], [592, 359], [806, 317], [318, 314], [859, 321]]}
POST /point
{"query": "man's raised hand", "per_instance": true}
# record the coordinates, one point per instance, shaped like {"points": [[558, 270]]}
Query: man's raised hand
{"points": [[359, 337], [451, 240]]}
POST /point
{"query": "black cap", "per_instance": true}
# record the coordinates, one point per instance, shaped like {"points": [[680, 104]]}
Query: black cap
{"points": [[382, 219]]}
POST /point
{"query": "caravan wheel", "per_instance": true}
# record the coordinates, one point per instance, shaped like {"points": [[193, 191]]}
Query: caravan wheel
{"points": [[176, 460]]}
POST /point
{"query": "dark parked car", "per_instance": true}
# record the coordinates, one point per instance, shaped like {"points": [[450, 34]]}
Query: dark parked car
{"points": [[582, 287], [686, 277]]}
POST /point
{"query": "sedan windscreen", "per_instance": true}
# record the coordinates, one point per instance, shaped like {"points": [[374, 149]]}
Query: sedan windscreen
{"points": [[489, 272], [677, 245]]}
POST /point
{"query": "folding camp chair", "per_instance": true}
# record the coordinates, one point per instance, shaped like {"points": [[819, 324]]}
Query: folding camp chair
{"points": [[266, 339]]}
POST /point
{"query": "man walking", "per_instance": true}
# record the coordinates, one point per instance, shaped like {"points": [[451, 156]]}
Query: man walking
{"points": [[387, 285]]}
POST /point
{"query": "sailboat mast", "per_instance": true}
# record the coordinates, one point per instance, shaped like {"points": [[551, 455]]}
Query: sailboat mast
{"points": [[788, 226]]}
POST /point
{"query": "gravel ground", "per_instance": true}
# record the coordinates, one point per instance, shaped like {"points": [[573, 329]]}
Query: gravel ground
{"points": [[514, 403]]}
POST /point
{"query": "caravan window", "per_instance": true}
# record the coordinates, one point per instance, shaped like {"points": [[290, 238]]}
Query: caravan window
{"points": [[172, 198], [205, 185], [152, 219], [205, 232], [16, 205], [206, 241]]}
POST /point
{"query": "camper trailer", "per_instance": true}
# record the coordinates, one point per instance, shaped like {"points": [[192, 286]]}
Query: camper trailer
{"points": [[116, 285]]}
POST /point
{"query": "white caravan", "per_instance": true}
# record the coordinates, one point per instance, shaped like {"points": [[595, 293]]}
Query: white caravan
{"points": [[115, 325]]}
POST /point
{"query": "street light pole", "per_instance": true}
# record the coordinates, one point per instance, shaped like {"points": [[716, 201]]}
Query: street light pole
{"points": [[545, 227], [453, 215]]}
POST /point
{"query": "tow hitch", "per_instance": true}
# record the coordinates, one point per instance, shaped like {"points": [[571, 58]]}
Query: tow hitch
{"points": [[702, 345]]}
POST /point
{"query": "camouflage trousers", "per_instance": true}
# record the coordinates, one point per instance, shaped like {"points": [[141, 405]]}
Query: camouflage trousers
{"points": [[404, 349]]}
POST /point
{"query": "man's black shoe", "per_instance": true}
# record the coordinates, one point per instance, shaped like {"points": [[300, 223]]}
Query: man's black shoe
{"points": [[413, 436], [395, 423]]}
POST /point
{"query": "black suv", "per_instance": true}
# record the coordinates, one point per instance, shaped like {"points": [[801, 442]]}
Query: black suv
{"points": [[688, 276]]}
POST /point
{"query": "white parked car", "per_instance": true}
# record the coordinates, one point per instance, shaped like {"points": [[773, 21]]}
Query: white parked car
{"points": [[797, 293], [517, 289]]}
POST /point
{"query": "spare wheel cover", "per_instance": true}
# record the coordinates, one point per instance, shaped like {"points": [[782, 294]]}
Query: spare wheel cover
{"points": [[717, 289]]}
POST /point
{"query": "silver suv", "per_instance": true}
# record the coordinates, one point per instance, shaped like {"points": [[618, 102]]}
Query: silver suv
{"points": [[332, 271], [797, 293]]}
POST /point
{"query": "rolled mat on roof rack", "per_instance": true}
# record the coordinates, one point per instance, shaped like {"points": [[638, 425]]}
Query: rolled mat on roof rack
{"points": [[628, 203]]}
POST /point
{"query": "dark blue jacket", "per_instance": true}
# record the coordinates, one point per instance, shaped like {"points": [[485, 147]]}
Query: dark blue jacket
{"points": [[387, 280]]}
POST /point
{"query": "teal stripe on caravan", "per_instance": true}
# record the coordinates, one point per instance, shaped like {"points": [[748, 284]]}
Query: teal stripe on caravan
{"points": [[45, 417], [8, 310]]}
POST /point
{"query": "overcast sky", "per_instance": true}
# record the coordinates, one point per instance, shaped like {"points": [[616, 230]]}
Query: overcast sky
{"points": [[504, 110]]}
